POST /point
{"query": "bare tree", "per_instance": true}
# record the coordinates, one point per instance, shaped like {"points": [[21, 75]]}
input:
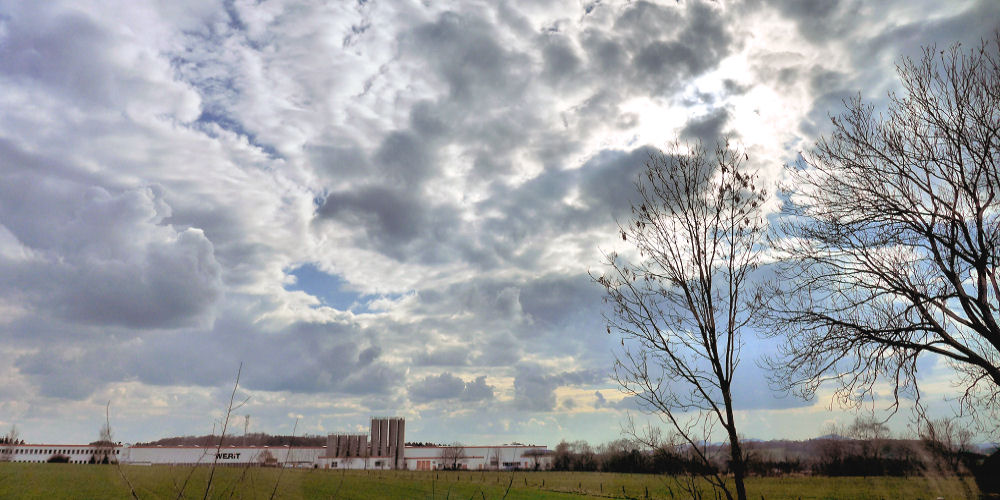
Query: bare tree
{"points": [[682, 303], [8, 444], [265, 459], [452, 454], [493, 456], [104, 447], [868, 428], [892, 240], [537, 457], [947, 441], [871, 435]]}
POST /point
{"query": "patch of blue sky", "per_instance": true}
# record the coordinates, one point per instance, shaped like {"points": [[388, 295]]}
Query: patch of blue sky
{"points": [[228, 123], [330, 289]]}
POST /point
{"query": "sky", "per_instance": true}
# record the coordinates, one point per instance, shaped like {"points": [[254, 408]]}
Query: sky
{"points": [[382, 208]]}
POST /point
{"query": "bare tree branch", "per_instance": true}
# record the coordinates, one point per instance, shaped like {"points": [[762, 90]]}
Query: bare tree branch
{"points": [[891, 239], [225, 425]]}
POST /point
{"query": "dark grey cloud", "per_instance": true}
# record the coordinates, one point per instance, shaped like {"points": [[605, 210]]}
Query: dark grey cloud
{"points": [[830, 90], [604, 51], [629, 403], [534, 386], [645, 22], [560, 59], [491, 302], [464, 53], [339, 160], [399, 222], [500, 350], [534, 389], [501, 320], [105, 257], [734, 87], [404, 159], [477, 390], [448, 386], [304, 358], [553, 300], [68, 376], [536, 208], [511, 313], [444, 386], [659, 55], [818, 20], [708, 128], [392, 217], [443, 356], [587, 376], [608, 181], [430, 120], [698, 37], [38, 52], [599, 109], [599, 401]]}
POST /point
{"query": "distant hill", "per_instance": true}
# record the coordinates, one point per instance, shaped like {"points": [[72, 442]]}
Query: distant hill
{"points": [[834, 437], [252, 439]]}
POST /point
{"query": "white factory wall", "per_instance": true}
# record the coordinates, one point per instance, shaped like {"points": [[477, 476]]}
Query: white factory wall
{"points": [[299, 456], [355, 463], [479, 457], [437, 457], [77, 453]]}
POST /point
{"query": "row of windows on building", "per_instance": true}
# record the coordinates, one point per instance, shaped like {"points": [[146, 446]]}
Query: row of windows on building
{"points": [[46, 451], [433, 465], [73, 456]]}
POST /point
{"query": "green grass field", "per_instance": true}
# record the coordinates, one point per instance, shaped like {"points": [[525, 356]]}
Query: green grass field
{"points": [[51, 481]]}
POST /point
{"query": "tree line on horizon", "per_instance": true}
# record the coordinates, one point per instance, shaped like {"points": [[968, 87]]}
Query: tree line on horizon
{"points": [[865, 447]]}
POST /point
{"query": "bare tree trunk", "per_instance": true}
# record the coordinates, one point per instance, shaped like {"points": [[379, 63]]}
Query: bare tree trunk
{"points": [[737, 459]]}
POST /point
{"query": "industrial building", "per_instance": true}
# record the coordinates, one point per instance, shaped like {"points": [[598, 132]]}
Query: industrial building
{"points": [[386, 450], [73, 453], [382, 448]]}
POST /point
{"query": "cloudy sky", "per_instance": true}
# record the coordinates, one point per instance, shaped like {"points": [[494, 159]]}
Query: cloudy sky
{"points": [[379, 208]]}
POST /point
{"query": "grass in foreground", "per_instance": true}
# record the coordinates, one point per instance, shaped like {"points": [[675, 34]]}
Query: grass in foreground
{"points": [[52, 481]]}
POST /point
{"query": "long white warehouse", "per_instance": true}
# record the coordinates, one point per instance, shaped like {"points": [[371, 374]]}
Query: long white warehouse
{"points": [[503, 457], [385, 450]]}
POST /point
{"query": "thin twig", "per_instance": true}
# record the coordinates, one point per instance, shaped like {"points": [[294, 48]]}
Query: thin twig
{"points": [[287, 453], [180, 492], [118, 465], [222, 435], [508, 485]]}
